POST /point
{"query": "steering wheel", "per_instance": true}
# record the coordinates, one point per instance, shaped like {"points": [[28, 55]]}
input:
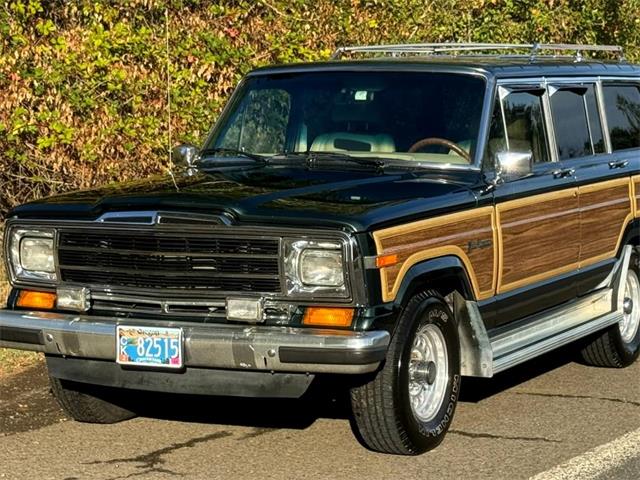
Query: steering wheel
{"points": [[440, 141]]}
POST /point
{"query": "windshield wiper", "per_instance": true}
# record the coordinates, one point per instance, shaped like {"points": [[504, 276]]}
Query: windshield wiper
{"points": [[312, 158], [233, 151]]}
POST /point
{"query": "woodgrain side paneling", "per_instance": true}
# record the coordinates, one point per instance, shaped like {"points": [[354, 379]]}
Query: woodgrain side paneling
{"points": [[635, 183], [519, 242], [605, 208], [470, 235], [539, 236]]}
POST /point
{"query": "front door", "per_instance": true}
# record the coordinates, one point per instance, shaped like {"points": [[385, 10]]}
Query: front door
{"points": [[538, 216]]}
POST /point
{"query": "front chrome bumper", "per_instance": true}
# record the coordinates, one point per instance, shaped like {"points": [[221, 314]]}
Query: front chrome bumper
{"points": [[214, 346]]}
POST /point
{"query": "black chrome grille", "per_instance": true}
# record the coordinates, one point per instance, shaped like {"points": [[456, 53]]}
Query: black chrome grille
{"points": [[176, 261]]}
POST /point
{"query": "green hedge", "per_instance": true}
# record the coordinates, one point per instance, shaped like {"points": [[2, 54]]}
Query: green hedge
{"points": [[83, 83]]}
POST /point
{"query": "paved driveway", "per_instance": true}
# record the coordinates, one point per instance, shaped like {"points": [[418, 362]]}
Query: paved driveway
{"points": [[552, 418]]}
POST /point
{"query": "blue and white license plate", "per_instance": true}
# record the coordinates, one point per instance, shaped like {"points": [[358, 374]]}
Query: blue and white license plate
{"points": [[149, 346]]}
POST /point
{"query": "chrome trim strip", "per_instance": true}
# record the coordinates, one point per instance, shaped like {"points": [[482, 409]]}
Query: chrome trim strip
{"points": [[151, 253], [195, 272], [137, 299], [566, 79], [156, 217], [552, 143], [549, 344], [239, 347], [604, 123], [370, 262], [152, 311]]}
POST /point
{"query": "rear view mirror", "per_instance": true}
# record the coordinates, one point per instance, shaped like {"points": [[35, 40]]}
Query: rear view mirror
{"points": [[513, 165]]}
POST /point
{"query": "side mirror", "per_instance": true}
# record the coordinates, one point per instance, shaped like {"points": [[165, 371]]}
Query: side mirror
{"points": [[185, 156], [513, 165]]}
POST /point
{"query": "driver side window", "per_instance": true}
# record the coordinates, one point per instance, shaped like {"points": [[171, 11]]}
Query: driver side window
{"points": [[518, 125], [524, 121]]}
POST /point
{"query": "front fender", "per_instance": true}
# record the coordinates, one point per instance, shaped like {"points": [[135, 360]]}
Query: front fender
{"points": [[448, 270]]}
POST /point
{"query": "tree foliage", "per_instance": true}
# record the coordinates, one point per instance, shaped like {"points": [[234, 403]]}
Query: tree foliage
{"points": [[83, 90]]}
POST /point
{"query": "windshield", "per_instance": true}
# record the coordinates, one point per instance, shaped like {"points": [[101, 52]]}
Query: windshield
{"points": [[410, 116]]}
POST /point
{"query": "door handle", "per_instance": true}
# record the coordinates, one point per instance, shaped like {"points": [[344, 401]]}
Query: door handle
{"points": [[564, 172], [618, 164]]}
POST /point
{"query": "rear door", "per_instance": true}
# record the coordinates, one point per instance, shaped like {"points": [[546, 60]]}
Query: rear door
{"points": [[538, 216], [603, 159]]}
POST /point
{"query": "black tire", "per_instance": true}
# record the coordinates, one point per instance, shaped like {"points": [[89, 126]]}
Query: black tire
{"points": [[608, 349], [88, 403], [382, 413]]}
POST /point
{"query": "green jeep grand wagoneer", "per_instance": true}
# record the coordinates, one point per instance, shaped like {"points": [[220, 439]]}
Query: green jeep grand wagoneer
{"points": [[401, 218]]}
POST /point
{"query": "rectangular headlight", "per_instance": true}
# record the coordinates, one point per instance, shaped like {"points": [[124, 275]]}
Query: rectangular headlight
{"points": [[323, 268], [31, 254], [36, 254], [315, 268]]}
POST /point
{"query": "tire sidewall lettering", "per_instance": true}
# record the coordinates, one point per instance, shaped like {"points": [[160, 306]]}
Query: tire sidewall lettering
{"points": [[448, 415], [437, 313]]}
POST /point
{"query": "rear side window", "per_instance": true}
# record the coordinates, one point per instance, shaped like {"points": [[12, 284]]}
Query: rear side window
{"points": [[576, 122], [524, 121], [622, 105]]}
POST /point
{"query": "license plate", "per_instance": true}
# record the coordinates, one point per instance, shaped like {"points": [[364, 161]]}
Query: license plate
{"points": [[149, 346]]}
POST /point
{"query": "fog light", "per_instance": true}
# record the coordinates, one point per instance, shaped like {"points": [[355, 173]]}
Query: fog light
{"points": [[76, 299], [244, 309]]}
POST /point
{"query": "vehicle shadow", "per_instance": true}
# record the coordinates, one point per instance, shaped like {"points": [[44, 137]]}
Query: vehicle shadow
{"points": [[324, 399], [327, 398], [475, 390]]}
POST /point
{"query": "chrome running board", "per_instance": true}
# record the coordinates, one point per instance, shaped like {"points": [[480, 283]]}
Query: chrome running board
{"points": [[544, 332], [552, 330]]}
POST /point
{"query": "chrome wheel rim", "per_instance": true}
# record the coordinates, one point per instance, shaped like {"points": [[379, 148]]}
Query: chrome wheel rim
{"points": [[428, 372], [630, 308]]}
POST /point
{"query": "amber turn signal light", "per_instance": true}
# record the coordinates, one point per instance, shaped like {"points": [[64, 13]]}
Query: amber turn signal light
{"points": [[328, 317], [386, 260], [38, 300]]}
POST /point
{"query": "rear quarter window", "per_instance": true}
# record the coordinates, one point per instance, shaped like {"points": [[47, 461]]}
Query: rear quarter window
{"points": [[622, 105]]}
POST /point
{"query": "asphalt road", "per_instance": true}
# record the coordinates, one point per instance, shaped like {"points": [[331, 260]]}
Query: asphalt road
{"points": [[548, 419]]}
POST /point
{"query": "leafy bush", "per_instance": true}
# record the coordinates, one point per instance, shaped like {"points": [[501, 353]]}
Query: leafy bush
{"points": [[83, 92]]}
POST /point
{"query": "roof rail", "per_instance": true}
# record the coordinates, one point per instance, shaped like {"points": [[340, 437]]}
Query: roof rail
{"points": [[532, 49]]}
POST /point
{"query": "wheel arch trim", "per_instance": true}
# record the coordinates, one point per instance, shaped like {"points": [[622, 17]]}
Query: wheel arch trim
{"points": [[422, 274]]}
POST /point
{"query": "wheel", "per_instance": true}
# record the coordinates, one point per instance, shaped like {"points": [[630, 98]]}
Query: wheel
{"points": [[408, 405], [88, 403], [619, 345]]}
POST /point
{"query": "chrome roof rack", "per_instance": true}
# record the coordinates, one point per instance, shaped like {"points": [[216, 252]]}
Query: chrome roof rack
{"points": [[471, 49]]}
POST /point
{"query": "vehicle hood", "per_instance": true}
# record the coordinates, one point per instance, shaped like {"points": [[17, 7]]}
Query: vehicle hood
{"points": [[355, 200]]}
